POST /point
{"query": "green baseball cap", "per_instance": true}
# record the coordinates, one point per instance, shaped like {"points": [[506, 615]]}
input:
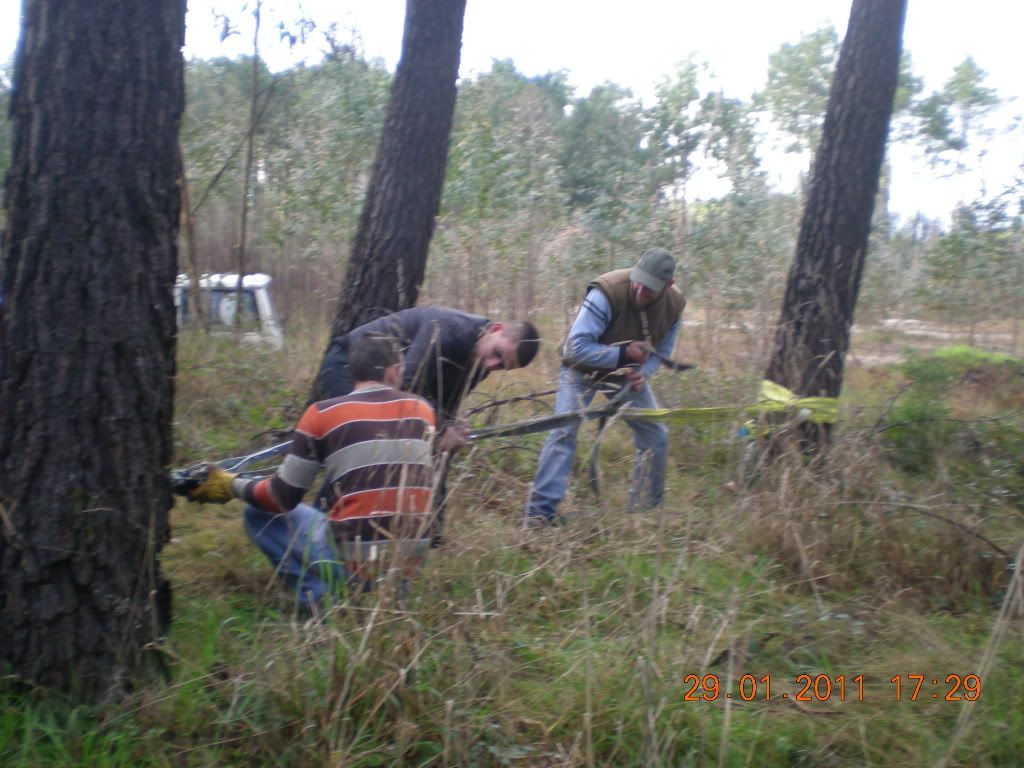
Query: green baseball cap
{"points": [[655, 268]]}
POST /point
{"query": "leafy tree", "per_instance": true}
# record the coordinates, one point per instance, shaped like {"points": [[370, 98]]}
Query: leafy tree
{"points": [[87, 378], [730, 138], [970, 273], [606, 174], [1014, 197], [602, 150], [314, 138], [390, 251], [889, 287], [5, 131], [501, 191], [675, 129], [950, 119], [738, 242], [799, 82], [321, 149], [814, 329], [215, 125], [908, 88], [739, 246]]}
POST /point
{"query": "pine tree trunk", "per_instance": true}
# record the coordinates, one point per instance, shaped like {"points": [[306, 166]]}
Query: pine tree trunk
{"points": [[86, 376], [389, 254], [195, 297], [813, 334], [250, 138]]}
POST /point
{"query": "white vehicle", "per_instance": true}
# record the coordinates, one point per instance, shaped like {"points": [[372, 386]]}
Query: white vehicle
{"points": [[219, 296]]}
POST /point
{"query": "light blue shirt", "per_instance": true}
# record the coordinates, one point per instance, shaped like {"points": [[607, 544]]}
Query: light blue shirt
{"points": [[591, 322]]}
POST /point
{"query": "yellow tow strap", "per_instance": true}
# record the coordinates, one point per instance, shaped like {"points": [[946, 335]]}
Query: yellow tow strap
{"points": [[775, 398]]}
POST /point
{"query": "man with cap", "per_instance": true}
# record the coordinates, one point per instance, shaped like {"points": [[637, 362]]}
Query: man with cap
{"points": [[625, 313]]}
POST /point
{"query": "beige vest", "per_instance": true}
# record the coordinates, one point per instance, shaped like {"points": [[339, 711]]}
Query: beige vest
{"points": [[630, 322]]}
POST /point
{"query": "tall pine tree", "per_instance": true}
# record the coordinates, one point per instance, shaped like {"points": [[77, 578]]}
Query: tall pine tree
{"points": [[86, 373]]}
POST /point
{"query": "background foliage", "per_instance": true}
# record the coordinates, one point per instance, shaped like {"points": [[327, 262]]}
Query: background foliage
{"points": [[546, 186], [572, 648]]}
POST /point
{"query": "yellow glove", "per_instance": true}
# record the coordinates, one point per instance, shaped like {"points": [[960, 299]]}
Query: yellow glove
{"points": [[215, 489]]}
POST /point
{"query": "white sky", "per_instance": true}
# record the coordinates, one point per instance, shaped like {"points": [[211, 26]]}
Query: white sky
{"points": [[640, 42]]}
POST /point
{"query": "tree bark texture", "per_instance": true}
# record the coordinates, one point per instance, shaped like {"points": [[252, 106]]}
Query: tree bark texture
{"points": [[813, 334], [86, 375], [389, 254]]}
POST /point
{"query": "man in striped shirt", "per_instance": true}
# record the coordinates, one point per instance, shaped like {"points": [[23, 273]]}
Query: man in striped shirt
{"points": [[375, 446]]}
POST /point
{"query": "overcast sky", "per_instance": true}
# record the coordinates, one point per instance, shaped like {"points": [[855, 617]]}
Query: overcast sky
{"points": [[637, 43]]}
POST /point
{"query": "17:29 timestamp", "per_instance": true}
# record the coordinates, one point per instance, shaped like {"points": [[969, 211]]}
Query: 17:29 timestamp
{"points": [[956, 687]]}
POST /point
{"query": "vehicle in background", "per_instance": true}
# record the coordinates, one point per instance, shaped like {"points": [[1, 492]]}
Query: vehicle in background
{"points": [[219, 295]]}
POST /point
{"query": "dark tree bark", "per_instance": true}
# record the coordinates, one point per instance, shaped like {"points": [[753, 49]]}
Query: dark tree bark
{"points": [[389, 254], [86, 375], [813, 334]]}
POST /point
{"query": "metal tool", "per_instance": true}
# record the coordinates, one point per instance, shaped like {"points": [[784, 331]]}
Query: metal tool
{"points": [[189, 478], [615, 388]]}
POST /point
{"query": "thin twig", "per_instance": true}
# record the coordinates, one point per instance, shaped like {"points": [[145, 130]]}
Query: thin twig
{"points": [[929, 513], [1009, 415], [516, 399], [266, 93]]}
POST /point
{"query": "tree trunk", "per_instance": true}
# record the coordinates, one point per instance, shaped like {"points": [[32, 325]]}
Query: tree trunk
{"points": [[243, 213], [813, 334], [1018, 290], [195, 296], [389, 254], [86, 387], [533, 246]]}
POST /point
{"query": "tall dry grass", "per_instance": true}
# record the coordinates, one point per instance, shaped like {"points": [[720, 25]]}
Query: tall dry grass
{"points": [[572, 646]]}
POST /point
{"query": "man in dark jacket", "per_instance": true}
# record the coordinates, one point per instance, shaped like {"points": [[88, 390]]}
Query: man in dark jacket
{"points": [[446, 353]]}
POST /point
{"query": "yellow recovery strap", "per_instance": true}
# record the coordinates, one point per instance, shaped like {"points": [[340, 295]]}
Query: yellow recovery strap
{"points": [[775, 398]]}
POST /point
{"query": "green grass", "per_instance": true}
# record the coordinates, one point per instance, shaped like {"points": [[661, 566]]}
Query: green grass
{"points": [[572, 646], [964, 356]]}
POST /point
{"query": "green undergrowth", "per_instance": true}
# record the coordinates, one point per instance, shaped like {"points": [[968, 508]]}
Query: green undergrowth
{"points": [[578, 645], [961, 414]]}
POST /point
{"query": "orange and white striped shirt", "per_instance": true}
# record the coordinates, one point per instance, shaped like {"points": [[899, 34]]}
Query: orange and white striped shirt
{"points": [[375, 447]]}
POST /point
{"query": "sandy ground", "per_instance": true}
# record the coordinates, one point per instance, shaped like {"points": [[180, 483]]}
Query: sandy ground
{"points": [[748, 340]]}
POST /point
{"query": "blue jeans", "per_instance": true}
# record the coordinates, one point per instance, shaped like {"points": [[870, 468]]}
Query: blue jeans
{"points": [[300, 545], [650, 439]]}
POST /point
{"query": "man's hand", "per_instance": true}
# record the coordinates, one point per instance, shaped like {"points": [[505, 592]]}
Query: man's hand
{"points": [[215, 489], [636, 379], [637, 352], [454, 436]]}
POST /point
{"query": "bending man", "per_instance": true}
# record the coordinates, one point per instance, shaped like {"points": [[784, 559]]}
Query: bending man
{"points": [[624, 313], [446, 353]]}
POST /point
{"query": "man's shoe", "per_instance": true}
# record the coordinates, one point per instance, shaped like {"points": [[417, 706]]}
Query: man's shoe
{"points": [[537, 522]]}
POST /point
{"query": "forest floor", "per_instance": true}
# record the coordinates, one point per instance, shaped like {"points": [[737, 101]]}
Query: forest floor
{"points": [[768, 614]]}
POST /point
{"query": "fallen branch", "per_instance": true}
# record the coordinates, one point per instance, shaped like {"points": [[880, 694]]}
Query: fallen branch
{"points": [[516, 399]]}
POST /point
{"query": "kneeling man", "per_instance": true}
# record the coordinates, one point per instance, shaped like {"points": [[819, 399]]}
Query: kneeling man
{"points": [[375, 447]]}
